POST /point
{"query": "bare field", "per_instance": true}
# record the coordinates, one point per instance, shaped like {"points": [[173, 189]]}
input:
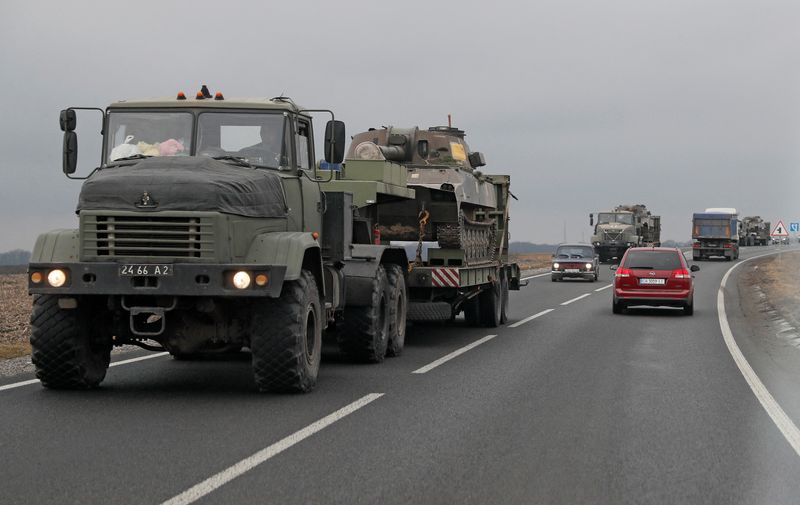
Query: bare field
{"points": [[15, 312], [531, 261], [779, 278]]}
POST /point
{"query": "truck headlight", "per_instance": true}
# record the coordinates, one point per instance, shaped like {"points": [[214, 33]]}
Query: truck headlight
{"points": [[56, 278], [241, 280]]}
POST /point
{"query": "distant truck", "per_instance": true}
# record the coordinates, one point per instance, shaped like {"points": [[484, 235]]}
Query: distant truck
{"points": [[625, 226], [755, 231], [715, 232]]}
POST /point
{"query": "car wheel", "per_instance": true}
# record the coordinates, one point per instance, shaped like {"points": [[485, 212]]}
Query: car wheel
{"points": [[616, 306], [688, 309]]}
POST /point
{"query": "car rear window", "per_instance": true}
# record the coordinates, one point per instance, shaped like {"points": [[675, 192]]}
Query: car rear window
{"points": [[653, 260]]}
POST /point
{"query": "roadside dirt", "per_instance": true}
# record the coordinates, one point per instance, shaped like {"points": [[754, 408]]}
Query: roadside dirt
{"points": [[531, 261], [15, 312]]}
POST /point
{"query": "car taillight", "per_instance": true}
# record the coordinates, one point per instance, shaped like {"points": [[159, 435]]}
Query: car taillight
{"points": [[681, 273], [623, 272]]}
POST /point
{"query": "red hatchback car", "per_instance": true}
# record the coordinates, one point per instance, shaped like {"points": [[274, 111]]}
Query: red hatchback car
{"points": [[654, 276]]}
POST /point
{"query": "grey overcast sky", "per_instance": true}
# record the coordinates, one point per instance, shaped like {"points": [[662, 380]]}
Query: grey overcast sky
{"points": [[678, 104]]}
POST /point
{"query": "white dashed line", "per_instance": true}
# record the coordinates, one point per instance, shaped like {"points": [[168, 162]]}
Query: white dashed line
{"points": [[214, 482], [530, 318], [778, 415], [604, 287], [576, 299], [454, 354], [116, 363]]}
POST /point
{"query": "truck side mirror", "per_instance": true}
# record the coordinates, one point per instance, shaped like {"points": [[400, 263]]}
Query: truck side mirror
{"points": [[591, 219], [334, 141], [67, 120], [70, 155]]}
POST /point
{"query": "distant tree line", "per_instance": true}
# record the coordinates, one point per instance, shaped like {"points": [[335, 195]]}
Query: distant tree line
{"points": [[15, 257]]}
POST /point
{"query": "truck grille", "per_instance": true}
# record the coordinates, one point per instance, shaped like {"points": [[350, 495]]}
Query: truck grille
{"points": [[162, 236]]}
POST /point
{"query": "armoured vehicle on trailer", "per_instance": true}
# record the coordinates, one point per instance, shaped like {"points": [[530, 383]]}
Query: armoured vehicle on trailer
{"points": [[623, 227], [203, 230], [754, 231], [715, 233], [455, 230]]}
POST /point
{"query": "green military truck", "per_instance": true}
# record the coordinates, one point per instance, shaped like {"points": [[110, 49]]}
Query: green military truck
{"points": [[205, 230]]}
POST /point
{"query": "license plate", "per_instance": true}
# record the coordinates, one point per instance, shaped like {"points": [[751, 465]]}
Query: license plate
{"points": [[652, 281], [150, 270], [572, 270]]}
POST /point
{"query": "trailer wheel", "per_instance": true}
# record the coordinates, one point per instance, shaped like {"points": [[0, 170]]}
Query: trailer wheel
{"points": [[69, 351], [397, 298], [364, 332], [286, 338], [490, 301]]}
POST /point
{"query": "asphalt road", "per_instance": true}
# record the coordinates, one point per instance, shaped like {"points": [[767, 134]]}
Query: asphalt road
{"points": [[576, 405]]}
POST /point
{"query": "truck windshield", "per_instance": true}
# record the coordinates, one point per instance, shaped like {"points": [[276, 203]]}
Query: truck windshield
{"points": [[613, 217], [257, 138], [148, 134]]}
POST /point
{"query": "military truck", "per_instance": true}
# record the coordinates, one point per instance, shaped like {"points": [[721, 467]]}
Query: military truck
{"points": [[455, 230], [754, 231], [715, 233], [623, 227], [205, 230]]}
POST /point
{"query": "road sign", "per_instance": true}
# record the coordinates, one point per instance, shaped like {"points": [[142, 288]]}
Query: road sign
{"points": [[794, 227], [779, 230]]}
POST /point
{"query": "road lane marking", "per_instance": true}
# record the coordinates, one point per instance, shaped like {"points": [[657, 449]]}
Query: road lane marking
{"points": [[576, 299], [116, 363], [535, 276], [214, 482], [604, 287], [454, 354], [530, 318], [778, 415]]}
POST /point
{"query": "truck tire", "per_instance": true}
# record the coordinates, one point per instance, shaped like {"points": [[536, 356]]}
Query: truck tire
{"points": [[364, 332], [397, 298], [503, 300], [68, 350], [286, 338], [472, 312], [491, 305]]}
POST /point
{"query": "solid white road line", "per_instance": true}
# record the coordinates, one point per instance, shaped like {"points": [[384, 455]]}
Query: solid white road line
{"points": [[604, 287], [535, 276], [576, 299], [779, 417], [116, 363], [530, 318], [214, 482], [454, 354]]}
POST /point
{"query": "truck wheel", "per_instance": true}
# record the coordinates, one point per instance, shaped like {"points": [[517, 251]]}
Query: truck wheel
{"points": [[472, 313], [286, 338], [364, 332], [491, 305], [397, 298], [68, 350], [503, 300]]}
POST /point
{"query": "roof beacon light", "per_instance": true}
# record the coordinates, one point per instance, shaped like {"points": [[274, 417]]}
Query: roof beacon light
{"points": [[199, 96], [218, 96], [181, 95]]}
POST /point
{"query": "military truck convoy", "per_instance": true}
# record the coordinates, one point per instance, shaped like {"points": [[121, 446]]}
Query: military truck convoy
{"points": [[623, 227], [208, 228], [715, 233], [754, 231]]}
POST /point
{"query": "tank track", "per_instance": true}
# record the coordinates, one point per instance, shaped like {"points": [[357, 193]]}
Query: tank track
{"points": [[476, 238]]}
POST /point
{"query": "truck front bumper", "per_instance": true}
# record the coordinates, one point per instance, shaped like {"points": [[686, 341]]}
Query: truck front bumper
{"points": [[184, 279]]}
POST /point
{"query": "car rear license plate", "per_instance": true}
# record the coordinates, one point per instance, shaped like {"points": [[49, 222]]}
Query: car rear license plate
{"points": [[150, 270], [652, 281], [572, 270]]}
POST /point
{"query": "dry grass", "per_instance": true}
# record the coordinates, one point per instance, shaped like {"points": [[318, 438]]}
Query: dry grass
{"points": [[531, 261], [15, 312]]}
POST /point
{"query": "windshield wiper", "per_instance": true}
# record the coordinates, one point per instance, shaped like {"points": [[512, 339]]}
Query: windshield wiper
{"points": [[238, 160], [132, 157]]}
